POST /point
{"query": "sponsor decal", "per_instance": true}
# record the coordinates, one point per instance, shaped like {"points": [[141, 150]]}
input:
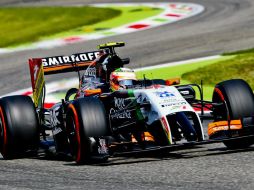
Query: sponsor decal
{"points": [[103, 148], [185, 92], [177, 104], [119, 111], [120, 114], [224, 128], [59, 60], [169, 100], [90, 72], [119, 103], [56, 130], [54, 117], [165, 94]]}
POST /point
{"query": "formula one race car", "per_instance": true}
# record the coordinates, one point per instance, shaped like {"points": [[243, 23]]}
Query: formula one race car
{"points": [[112, 113]]}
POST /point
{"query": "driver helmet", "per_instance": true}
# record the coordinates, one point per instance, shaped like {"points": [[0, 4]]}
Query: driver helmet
{"points": [[122, 78]]}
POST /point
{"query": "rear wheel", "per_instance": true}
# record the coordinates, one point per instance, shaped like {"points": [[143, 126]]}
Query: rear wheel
{"points": [[237, 101], [19, 126], [86, 119]]}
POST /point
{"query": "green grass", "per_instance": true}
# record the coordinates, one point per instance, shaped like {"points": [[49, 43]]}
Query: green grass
{"points": [[240, 66], [128, 15], [29, 24], [240, 52], [178, 71]]}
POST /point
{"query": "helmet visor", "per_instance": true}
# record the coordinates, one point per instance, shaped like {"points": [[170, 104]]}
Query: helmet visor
{"points": [[128, 82]]}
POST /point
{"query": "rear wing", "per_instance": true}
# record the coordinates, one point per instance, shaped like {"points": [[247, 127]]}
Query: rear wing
{"points": [[53, 65], [62, 64]]}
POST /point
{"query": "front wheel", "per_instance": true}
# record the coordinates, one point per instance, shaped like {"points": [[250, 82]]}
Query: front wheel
{"points": [[239, 143], [237, 101]]}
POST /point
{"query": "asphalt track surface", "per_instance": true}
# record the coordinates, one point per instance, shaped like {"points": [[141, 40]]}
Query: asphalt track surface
{"points": [[225, 25]]}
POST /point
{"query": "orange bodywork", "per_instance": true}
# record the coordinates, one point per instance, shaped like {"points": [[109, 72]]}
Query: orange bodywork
{"points": [[173, 81], [89, 92], [48, 70], [147, 137], [223, 126]]}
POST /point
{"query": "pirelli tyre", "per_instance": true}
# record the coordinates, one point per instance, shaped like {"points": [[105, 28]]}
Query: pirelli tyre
{"points": [[19, 127], [237, 101], [85, 121]]}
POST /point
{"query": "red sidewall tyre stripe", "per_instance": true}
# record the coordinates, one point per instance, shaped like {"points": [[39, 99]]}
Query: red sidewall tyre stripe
{"points": [[77, 131], [4, 131], [218, 91]]}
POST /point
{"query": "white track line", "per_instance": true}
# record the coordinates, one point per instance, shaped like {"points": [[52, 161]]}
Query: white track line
{"points": [[185, 62]]}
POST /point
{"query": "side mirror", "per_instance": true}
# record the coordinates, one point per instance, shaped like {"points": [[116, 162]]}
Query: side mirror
{"points": [[126, 61], [188, 92]]}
